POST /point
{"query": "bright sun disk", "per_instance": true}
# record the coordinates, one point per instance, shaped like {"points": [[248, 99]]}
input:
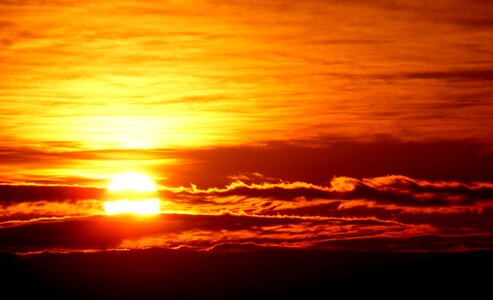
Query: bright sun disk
{"points": [[132, 182], [132, 191], [139, 207]]}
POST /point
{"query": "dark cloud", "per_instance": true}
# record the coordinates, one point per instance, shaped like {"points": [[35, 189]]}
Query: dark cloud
{"points": [[475, 23], [232, 233], [249, 246], [22, 193], [6, 24], [317, 161], [64, 151], [398, 190], [453, 75], [108, 232], [363, 214], [266, 198], [453, 220], [38, 2], [173, 230], [414, 243]]}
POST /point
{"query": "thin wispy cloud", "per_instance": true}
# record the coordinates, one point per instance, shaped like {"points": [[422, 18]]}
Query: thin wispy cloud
{"points": [[383, 213]]}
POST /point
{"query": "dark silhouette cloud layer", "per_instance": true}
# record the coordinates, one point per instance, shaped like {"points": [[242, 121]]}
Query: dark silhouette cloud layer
{"points": [[396, 213]]}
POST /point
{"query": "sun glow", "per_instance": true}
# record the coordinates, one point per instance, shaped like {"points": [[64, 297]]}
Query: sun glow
{"points": [[131, 193]]}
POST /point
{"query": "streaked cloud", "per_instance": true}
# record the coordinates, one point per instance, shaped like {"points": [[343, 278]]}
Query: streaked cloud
{"points": [[383, 213], [314, 161], [200, 73]]}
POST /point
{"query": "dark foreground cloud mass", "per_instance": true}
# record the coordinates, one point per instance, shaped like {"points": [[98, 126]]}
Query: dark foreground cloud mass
{"points": [[395, 213]]}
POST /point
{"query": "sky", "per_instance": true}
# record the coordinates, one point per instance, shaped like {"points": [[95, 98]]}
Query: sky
{"points": [[335, 125]]}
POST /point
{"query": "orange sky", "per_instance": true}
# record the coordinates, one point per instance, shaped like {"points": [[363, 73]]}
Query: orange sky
{"points": [[153, 74], [147, 74]]}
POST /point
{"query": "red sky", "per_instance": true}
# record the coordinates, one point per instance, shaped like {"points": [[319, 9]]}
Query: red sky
{"points": [[360, 125]]}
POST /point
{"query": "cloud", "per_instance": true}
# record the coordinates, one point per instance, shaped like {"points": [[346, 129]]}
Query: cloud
{"points": [[326, 78], [477, 75], [389, 213], [415, 243], [314, 161], [22, 193], [200, 232], [317, 160], [401, 191], [33, 210]]}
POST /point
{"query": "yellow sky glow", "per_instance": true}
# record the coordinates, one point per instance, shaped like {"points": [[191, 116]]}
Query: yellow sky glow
{"points": [[88, 75]]}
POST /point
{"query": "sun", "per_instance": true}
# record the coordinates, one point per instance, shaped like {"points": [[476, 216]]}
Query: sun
{"points": [[134, 182], [137, 207], [132, 193]]}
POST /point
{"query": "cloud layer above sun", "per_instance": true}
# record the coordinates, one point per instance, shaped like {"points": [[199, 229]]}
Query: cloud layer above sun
{"points": [[148, 74], [395, 213]]}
